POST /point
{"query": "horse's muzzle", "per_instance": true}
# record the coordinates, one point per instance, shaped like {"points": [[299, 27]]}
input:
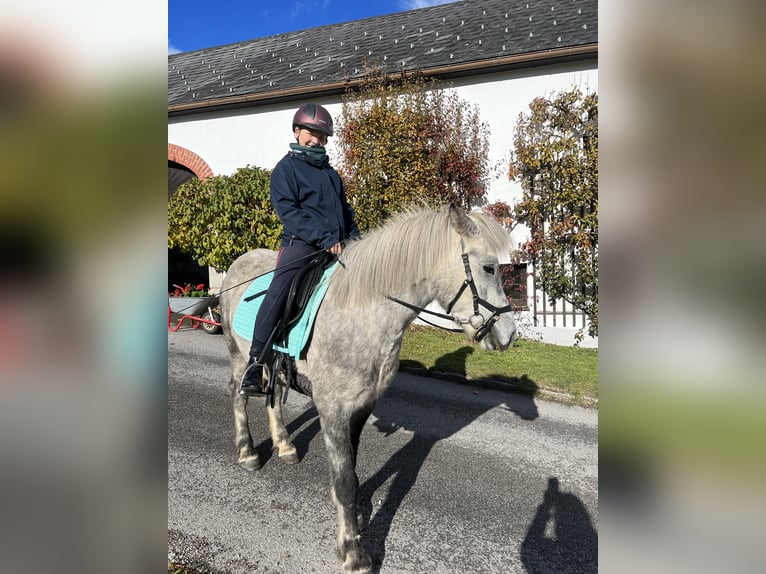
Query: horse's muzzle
{"points": [[492, 343]]}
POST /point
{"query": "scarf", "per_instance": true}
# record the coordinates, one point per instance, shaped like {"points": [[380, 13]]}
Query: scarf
{"points": [[316, 154]]}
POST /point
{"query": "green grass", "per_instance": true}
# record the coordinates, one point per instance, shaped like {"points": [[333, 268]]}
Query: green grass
{"points": [[528, 365]]}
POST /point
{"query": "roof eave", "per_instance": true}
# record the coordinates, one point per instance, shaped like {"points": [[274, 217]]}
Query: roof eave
{"points": [[490, 65]]}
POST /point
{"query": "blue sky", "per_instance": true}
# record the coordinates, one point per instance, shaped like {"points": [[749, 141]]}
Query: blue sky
{"points": [[197, 24]]}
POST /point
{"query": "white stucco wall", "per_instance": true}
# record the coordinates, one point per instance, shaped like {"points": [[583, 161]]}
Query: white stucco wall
{"points": [[260, 136]]}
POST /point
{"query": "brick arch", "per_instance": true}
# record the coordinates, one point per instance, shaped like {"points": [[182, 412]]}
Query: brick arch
{"points": [[190, 160]]}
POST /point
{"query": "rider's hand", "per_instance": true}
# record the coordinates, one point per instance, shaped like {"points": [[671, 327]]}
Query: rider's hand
{"points": [[335, 249]]}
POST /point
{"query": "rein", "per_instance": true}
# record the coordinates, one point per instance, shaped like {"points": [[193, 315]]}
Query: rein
{"points": [[477, 320]]}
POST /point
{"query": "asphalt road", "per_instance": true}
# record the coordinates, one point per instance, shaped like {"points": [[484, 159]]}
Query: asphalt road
{"points": [[458, 479]]}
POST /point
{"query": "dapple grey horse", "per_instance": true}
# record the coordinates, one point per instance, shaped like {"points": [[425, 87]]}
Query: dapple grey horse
{"points": [[386, 277]]}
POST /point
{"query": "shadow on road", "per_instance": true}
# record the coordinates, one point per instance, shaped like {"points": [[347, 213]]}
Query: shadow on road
{"points": [[561, 537], [451, 367], [405, 465]]}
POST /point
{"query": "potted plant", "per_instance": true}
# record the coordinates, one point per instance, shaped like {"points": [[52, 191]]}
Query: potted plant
{"points": [[186, 297]]}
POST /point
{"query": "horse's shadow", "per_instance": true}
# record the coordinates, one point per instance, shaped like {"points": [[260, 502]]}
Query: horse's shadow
{"points": [[561, 537], [404, 466]]}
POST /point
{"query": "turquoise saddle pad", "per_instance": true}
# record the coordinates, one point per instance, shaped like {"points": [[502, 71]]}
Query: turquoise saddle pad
{"points": [[244, 317]]}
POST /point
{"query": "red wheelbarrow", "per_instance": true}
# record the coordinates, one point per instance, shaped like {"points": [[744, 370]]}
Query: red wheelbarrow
{"points": [[202, 312]]}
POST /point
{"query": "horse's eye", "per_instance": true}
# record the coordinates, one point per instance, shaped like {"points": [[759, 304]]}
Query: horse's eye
{"points": [[490, 269]]}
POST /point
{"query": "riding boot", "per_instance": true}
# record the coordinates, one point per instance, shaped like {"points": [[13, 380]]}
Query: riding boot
{"points": [[252, 380]]}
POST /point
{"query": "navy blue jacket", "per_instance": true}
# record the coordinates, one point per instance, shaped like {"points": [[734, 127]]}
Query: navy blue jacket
{"points": [[311, 203]]}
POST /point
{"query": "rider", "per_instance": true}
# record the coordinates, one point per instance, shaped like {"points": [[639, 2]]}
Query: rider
{"points": [[309, 199]]}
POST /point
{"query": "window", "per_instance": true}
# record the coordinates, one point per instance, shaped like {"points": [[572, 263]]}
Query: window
{"points": [[514, 280]]}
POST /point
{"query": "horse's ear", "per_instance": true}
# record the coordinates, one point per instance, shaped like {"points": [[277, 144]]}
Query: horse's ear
{"points": [[461, 222]]}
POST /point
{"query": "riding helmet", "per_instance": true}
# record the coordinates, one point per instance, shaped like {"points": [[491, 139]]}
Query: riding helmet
{"points": [[315, 117]]}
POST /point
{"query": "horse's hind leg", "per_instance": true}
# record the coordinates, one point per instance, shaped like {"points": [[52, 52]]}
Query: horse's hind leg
{"points": [[247, 457], [279, 435]]}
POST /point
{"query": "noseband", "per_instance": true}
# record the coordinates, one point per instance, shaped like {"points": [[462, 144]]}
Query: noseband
{"points": [[477, 320]]}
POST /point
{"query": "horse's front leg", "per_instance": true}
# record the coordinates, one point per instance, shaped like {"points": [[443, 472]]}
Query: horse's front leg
{"points": [[279, 435], [357, 425], [341, 436]]}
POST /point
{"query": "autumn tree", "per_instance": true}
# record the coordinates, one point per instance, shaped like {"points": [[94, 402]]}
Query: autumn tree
{"points": [[555, 159], [218, 219], [403, 141]]}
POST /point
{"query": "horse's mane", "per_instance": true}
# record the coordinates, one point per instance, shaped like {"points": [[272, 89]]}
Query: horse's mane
{"points": [[412, 245]]}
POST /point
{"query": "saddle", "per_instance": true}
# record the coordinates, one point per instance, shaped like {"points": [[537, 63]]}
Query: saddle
{"points": [[298, 315], [299, 294]]}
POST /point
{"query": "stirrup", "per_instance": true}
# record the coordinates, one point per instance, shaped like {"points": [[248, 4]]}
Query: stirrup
{"points": [[248, 386]]}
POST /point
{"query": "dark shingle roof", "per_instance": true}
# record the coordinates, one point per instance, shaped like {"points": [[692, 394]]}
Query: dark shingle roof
{"points": [[443, 37]]}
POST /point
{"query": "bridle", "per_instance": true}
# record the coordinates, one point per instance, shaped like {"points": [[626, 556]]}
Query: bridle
{"points": [[477, 320]]}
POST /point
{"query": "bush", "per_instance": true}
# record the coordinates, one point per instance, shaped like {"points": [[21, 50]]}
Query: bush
{"points": [[404, 141], [218, 219], [556, 162]]}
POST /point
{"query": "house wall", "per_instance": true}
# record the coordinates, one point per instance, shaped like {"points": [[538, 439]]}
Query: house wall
{"points": [[259, 136]]}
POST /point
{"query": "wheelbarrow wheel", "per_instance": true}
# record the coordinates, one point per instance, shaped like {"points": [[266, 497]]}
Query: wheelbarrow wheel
{"points": [[209, 328]]}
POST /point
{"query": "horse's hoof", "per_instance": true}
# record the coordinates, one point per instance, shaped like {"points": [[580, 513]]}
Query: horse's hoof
{"points": [[290, 457], [361, 565], [355, 559], [250, 463]]}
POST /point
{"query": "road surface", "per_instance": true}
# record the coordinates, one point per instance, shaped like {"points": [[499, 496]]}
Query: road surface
{"points": [[457, 479]]}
